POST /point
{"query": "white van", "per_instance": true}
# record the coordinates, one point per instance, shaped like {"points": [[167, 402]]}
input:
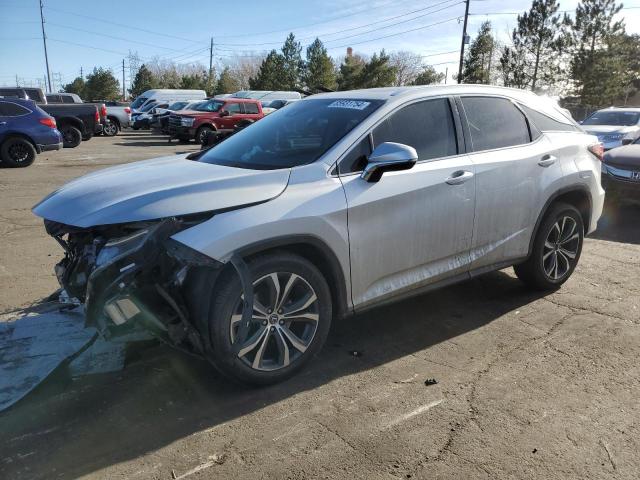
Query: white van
{"points": [[166, 95]]}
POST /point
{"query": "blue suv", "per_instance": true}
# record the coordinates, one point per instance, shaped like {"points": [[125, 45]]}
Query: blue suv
{"points": [[25, 130]]}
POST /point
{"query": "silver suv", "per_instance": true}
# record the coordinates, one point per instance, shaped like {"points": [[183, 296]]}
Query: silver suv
{"points": [[245, 253]]}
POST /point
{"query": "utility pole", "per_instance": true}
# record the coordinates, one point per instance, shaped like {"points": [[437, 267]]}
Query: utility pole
{"points": [[44, 41], [209, 81], [446, 75], [17, 83], [81, 73], [465, 40], [124, 92]]}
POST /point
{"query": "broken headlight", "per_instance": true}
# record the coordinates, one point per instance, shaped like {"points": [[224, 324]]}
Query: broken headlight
{"points": [[119, 246]]}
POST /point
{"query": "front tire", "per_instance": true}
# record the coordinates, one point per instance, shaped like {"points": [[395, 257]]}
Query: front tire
{"points": [[202, 134], [556, 249], [110, 129], [291, 319], [17, 152]]}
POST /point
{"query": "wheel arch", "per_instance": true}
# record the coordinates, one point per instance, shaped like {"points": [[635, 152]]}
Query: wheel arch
{"points": [[315, 251], [577, 195], [13, 134], [114, 119], [72, 121]]}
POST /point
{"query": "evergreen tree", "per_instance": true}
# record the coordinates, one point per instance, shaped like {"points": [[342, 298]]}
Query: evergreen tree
{"points": [[477, 63], [428, 76], [596, 44], [270, 76], [194, 81], [378, 72], [538, 39], [319, 69], [77, 86], [513, 67], [102, 85], [227, 83], [143, 81], [292, 63], [350, 72]]}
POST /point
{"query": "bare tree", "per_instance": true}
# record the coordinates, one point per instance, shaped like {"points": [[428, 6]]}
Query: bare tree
{"points": [[244, 67], [408, 66]]}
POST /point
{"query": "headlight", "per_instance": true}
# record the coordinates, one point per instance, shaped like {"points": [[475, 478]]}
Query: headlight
{"points": [[118, 246], [186, 121]]}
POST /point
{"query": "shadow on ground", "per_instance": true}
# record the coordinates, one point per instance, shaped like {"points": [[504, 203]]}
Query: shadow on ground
{"points": [[78, 427], [619, 223]]}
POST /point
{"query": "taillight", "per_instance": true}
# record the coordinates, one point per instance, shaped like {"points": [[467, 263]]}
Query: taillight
{"points": [[103, 110], [49, 122], [97, 116], [597, 150], [127, 110]]}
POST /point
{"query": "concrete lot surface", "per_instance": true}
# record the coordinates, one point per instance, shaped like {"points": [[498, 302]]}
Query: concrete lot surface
{"points": [[529, 385]]}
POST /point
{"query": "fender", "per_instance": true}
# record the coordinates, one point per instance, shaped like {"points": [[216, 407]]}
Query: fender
{"points": [[331, 263], [562, 191]]}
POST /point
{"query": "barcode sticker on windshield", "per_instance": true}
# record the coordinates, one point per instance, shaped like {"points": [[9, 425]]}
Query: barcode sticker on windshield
{"points": [[352, 104]]}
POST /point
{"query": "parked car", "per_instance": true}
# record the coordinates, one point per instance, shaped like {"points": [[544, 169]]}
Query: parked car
{"points": [[142, 119], [271, 106], [246, 252], [114, 115], [165, 96], [219, 116], [613, 126], [160, 119], [76, 122], [621, 173], [25, 131]]}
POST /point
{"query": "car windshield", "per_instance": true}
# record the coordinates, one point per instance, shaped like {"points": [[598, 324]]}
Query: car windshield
{"points": [[621, 119], [296, 135], [148, 106], [211, 106], [176, 105], [138, 101]]}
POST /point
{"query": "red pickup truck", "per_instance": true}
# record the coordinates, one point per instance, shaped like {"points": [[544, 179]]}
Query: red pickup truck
{"points": [[219, 115]]}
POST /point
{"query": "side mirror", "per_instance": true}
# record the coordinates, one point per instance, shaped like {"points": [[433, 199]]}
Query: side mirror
{"points": [[627, 141], [224, 113], [389, 157]]}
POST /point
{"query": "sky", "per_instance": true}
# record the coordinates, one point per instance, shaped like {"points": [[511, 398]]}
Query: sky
{"points": [[83, 34]]}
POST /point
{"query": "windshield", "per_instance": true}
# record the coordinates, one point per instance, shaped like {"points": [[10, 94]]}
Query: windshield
{"points": [[138, 101], [148, 106], [176, 105], [621, 119], [211, 106], [296, 135]]}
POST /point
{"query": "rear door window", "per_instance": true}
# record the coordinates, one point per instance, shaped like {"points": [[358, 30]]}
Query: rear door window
{"points": [[10, 109], [251, 108], [547, 124], [232, 108], [426, 126], [495, 123]]}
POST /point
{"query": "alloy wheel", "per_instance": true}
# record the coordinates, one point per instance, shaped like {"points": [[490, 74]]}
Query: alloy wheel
{"points": [[19, 153], [561, 248], [284, 321]]}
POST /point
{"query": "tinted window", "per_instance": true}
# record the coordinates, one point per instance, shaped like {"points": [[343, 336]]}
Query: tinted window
{"points": [[211, 106], [616, 118], [8, 109], [356, 159], [250, 108], [426, 126], [54, 99], [292, 136], [67, 99], [35, 94], [545, 123], [495, 123], [232, 108], [12, 93]]}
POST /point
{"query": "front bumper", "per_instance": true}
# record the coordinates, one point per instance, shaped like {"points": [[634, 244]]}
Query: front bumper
{"points": [[141, 123], [180, 131], [620, 185], [97, 128]]}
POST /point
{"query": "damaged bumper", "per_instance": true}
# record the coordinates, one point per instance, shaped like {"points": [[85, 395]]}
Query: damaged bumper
{"points": [[132, 275]]}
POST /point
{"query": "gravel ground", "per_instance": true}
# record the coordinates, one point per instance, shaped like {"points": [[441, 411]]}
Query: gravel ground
{"points": [[529, 385]]}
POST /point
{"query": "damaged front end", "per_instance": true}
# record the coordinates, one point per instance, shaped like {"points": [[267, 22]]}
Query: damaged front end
{"points": [[132, 275]]}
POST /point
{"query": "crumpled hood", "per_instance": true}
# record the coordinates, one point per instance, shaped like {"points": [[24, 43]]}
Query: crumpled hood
{"points": [[158, 188], [627, 157]]}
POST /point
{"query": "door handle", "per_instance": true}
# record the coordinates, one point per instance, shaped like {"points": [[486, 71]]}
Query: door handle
{"points": [[547, 161], [459, 177]]}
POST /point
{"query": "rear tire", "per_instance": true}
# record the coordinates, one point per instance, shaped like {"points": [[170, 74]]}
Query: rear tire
{"points": [[110, 129], [71, 136], [556, 249], [279, 343], [17, 152]]}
